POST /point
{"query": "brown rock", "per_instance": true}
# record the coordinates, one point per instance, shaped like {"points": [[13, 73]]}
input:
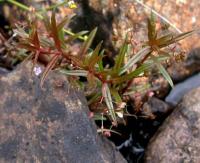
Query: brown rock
{"points": [[178, 140], [49, 125]]}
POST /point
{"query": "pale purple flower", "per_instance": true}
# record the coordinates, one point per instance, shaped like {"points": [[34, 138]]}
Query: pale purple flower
{"points": [[37, 70]]}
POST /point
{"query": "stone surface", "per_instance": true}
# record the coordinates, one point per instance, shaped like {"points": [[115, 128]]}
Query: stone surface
{"points": [[155, 107], [48, 125], [178, 139], [182, 88], [182, 70]]}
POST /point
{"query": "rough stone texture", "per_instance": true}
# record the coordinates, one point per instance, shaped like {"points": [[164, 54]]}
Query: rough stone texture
{"points": [[178, 140], [49, 125]]}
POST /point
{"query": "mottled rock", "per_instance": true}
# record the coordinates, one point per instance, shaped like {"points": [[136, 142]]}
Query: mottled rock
{"points": [[48, 125], [178, 139]]}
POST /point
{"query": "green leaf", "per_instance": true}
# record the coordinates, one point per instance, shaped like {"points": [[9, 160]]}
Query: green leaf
{"points": [[116, 95], [74, 72], [170, 39], [141, 89], [162, 41], [132, 74], [87, 43], [95, 57], [108, 99], [99, 118], [137, 57], [100, 62], [163, 56], [151, 28], [184, 35], [120, 57], [75, 36], [163, 72]]}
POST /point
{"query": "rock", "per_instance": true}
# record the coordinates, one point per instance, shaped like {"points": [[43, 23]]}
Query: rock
{"points": [[178, 139], [182, 88], [182, 70], [48, 125], [3, 71], [155, 107]]}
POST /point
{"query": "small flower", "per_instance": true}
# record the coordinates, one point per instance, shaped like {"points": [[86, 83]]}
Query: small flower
{"points": [[150, 93], [91, 114], [37, 70], [72, 4], [107, 133]]}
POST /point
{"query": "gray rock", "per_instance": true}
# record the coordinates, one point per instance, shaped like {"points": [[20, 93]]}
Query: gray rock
{"points": [[178, 139], [179, 71], [49, 125], [3, 71], [155, 106], [181, 89]]}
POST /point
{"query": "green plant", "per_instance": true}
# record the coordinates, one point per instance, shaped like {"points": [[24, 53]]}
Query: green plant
{"points": [[108, 86]]}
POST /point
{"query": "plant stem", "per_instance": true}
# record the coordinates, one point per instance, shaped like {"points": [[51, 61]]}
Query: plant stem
{"points": [[26, 8]]}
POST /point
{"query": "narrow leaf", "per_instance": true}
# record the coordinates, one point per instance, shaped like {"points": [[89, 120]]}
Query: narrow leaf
{"points": [[63, 23], [48, 68], [100, 62], [27, 46], [94, 58], [168, 40], [116, 95], [132, 74], [75, 36], [163, 72], [151, 28], [108, 99], [74, 72], [36, 41], [87, 43], [54, 31], [120, 58], [141, 54]]}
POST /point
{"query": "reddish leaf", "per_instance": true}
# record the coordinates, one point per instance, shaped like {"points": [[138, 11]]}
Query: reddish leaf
{"points": [[87, 43], [54, 31], [27, 46], [36, 40], [48, 68], [34, 37]]}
